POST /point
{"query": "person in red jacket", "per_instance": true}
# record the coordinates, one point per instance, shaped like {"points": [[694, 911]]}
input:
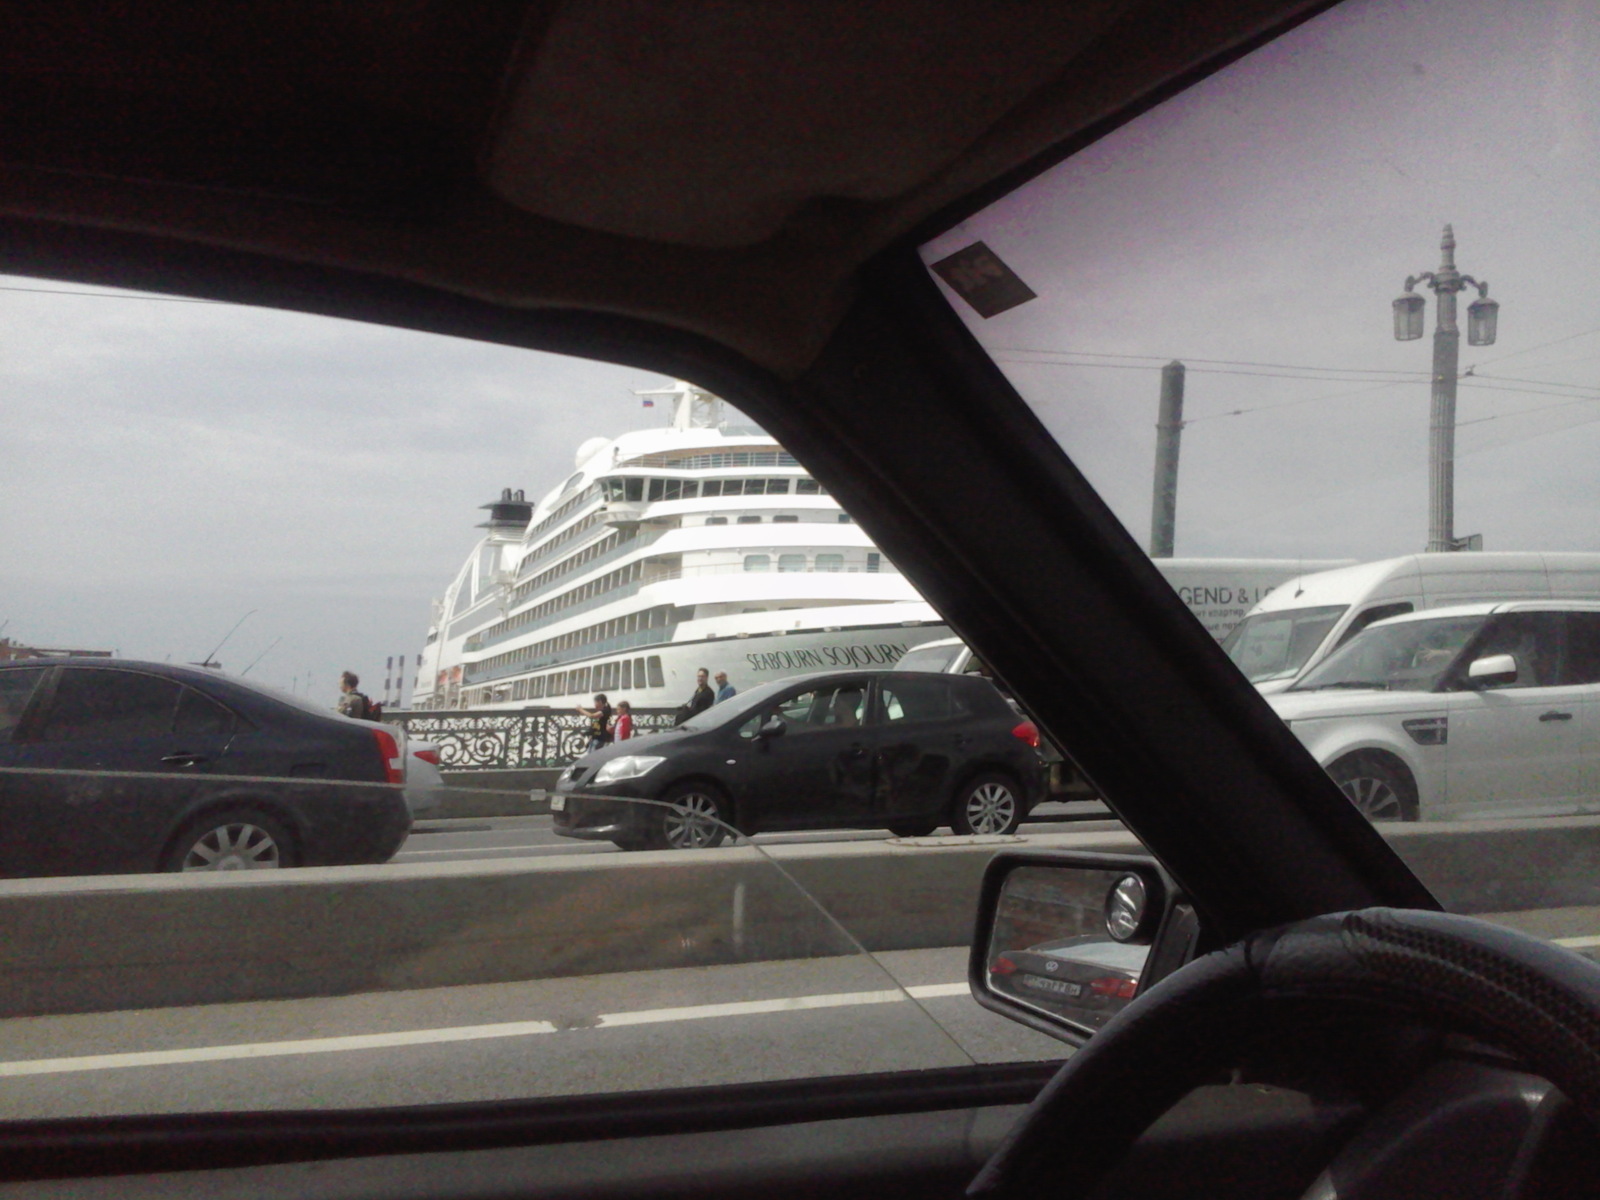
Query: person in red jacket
{"points": [[622, 728]]}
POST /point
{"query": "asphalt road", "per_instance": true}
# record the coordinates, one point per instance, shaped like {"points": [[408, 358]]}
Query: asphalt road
{"points": [[760, 1021], [466, 838]]}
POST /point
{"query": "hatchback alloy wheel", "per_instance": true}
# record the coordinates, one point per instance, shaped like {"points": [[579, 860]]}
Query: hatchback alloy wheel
{"points": [[988, 806], [694, 822]]}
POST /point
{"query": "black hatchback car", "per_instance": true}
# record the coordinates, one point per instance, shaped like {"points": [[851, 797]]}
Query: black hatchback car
{"points": [[863, 750], [114, 766]]}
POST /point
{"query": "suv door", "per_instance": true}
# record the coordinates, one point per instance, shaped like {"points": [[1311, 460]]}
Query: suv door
{"points": [[1583, 674], [1516, 749], [115, 769]]}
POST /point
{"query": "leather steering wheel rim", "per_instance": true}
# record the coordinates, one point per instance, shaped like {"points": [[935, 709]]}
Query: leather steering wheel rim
{"points": [[1448, 972]]}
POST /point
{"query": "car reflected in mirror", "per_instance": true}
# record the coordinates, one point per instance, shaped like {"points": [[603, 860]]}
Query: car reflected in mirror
{"points": [[1065, 940]]}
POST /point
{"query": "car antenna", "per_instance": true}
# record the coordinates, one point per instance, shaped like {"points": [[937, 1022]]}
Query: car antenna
{"points": [[259, 657], [211, 659]]}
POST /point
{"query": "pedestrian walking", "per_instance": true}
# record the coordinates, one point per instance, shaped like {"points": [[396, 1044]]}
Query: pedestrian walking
{"points": [[702, 699], [599, 721], [353, 703], [725, 690], [622, 727]]}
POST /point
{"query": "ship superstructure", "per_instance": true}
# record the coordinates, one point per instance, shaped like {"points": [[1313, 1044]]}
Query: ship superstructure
{"points": [[668, 549]]}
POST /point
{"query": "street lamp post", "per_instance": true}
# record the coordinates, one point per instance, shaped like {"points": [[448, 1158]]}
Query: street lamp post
{"points": [[1482, 316]]}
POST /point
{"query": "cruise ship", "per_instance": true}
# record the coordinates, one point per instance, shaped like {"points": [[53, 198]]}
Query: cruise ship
{"points": [[700, 544]]}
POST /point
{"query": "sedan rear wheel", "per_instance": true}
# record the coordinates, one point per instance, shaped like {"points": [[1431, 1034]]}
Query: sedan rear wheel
{"points": [[697, 819], [1377, 790], [987, 804], [236, 840]]}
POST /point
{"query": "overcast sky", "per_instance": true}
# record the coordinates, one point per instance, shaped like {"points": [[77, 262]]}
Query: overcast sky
{"points": [[168, 467]]}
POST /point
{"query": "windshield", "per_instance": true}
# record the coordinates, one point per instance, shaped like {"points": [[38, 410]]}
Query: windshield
{"points": [[1408, 656], [1300, 317], [1275, 645]]}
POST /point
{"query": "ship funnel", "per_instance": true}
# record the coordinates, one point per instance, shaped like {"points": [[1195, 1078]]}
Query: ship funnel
{"points": [[510, 513]]}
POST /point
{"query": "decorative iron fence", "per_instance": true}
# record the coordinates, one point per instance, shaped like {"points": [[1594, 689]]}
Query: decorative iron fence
{"points": [[496, 740]]}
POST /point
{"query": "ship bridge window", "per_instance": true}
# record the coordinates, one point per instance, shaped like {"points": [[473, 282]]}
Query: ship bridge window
{"points": [[758, 562], [846, 519], [711, 487], [786, 519], [716, 520], [750, 520], [808, 487], [874, 561], [777, 487], [830, 562], [791, 562]]}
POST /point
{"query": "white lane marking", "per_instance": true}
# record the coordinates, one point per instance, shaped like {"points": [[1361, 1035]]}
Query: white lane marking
{"points": [[933, 991], [461, 1033], [333, 1045], [742, 1008], [1578, 943]]}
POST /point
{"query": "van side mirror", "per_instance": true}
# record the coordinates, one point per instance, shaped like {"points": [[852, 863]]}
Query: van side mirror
{"points": [[1066, 939], [1492, 670]]}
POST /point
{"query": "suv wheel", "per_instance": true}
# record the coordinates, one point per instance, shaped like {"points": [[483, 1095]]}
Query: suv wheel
{"points": [[986, 804], [1378, 791]]}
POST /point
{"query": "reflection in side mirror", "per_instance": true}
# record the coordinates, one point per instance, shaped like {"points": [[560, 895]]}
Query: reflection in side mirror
{"points": [[773, 727], [1065, 940], [1493, 669]]}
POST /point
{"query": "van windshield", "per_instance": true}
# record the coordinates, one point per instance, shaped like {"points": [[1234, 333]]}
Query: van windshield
{"points": [[1275, 645]]}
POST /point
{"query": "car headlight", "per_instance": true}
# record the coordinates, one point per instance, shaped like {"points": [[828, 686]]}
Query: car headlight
{"points": [[629, 766]]}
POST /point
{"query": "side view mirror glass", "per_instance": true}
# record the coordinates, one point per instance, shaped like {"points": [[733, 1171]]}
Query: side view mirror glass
{"points": [[1065, 940], [772, 727], [1493, 669]]}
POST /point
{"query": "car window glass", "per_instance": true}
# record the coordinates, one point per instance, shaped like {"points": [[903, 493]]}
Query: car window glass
{"points": [[1533, 639], [1583, 648], [94, 704], [16, 686], [1378, 612], [199, 715], [915, 699]]}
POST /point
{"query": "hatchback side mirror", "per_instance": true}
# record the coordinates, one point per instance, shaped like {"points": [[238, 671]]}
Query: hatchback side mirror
{"points": [[772, 727], [1066, 939], [1492, 670]]}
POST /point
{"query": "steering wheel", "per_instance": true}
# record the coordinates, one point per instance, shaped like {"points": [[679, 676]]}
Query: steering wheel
{"points": [[1446, 972]]}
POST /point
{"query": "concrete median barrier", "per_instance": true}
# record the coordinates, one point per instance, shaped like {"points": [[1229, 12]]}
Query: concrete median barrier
{"points": [[126, 942]]}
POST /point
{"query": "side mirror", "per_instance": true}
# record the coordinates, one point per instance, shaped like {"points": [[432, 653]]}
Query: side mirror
{"points": [[772, 727], [1492, 670], [1065, 939]]}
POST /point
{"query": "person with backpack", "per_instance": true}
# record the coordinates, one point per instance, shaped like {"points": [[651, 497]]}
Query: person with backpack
{"points": [[353, 703]]}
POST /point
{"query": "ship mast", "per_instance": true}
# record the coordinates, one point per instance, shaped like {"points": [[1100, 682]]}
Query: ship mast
{"points": [[692, 407]]}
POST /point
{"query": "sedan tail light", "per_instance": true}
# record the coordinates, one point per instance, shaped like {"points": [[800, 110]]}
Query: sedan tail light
{"points": [[428, 756], [394, 767], [1028, 732], [1110, 985], [1003, 966]]}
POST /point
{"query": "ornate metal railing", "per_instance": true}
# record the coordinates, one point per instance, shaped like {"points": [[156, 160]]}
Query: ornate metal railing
{"points": [[495, 740]]}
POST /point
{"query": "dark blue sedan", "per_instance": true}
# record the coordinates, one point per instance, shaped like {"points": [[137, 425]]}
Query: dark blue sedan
{"points": [[111, 766]]}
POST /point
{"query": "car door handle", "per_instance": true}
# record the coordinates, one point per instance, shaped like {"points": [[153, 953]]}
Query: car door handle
{"points": [[1553, 715], [183, 759]]}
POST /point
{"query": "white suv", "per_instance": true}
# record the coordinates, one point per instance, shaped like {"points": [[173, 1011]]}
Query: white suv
{"points": [[1486, 710]]}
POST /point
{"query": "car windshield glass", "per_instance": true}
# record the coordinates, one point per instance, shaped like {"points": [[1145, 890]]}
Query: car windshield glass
{"points": [[1275, 645], [1406, 656], [1303, 326]]}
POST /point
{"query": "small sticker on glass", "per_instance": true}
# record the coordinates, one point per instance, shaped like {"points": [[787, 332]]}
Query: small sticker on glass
{"points": [[976, 274]]}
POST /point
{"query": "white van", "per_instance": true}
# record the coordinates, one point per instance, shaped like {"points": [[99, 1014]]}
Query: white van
{"points": [[1300, 622]]}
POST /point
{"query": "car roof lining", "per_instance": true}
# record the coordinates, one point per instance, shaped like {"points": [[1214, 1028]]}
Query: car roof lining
{"points": [[515, 154]]}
